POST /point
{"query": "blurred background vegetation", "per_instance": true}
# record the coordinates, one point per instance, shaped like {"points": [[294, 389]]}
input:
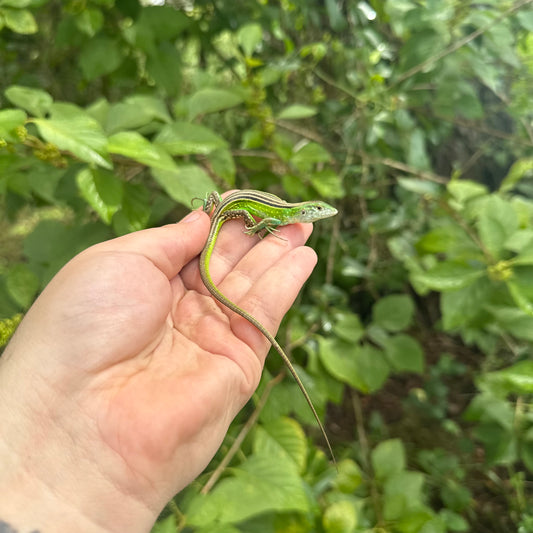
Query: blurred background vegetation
{"points": [[414, 335]]}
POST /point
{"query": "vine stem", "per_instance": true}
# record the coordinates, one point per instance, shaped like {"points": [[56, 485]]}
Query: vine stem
{"points": [[242, 434]]}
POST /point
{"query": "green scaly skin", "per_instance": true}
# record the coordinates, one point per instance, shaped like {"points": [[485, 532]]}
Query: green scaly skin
{"points": [[272, 212]]}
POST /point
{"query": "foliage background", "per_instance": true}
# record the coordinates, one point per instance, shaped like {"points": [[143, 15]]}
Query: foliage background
{"points": [[415, 118]]}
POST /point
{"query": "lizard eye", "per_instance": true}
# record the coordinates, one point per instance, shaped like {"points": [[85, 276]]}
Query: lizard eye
{"points": [[318, 207], [302, 212]]}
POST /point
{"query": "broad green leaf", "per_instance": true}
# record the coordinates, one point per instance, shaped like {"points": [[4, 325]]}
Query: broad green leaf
{"points": [[417, 155], [100, 56], [363, 367], [16, 3], [327, 183], [404, 492], [388, 459], [133, 145], [458, 307], [520, 240], [422, 187], [223, 165], [340, 517], [249, 37], [464, 190], [497, 221], [518, 170], [404, 353], [135, 206], [22, 285], [449, 276], [211, 100], [135, 112], [517, 379], [526, 449], [348, 327], [393, 312], [35, 101], [297, 111], [519, 298], [90, 21], [19, 20], [184, 183], [264, 483], [448, 238], [102, 191], [164, 66], [309, 155], [282, 434], [164, 22], [184, 138], [72, 129], [349, 476], [9, 120], [513, 321], [168, 525]]}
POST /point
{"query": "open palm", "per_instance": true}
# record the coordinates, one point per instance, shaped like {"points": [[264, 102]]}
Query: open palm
{"points": [[135, 370]]}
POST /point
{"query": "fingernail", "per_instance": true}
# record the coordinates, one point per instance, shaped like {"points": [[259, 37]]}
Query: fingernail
{"points": [[191, 217]]}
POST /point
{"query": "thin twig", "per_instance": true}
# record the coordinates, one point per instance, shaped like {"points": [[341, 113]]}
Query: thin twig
{"points": [[458, 44], [242, 434]]}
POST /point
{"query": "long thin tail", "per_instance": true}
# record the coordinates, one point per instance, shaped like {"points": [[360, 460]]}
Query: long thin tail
{"points": [[208, 282]]}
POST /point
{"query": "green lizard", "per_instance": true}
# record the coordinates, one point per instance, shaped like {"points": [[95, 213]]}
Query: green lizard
{"points": [[272, 212]]}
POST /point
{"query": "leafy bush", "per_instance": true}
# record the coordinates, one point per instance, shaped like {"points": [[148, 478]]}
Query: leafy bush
{"points": [[416, 328]]}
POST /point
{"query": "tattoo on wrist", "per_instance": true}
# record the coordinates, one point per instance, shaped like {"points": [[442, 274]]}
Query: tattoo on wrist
{"points": [[6, 528]]}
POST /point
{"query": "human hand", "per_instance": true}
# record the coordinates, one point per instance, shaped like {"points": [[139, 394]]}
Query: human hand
{"points": [[120, 383]]}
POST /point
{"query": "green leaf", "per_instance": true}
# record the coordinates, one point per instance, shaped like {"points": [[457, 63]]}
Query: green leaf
{"points": [[513, 321], [517, 379], [19, 20], [404, 498], [459, 307], [90, 21], [363, 367], [249, 37], [310, 154], [136, 209], [449, 276], [297, 111], [9, 120], [223, 165], [74, 130], [164, 66], [419, 186], [464, 190], [135, 112], [348, 327], [340, 517], [349, 476], [184, 183], [282, 434], [404, 353], [35, 101], [211, 100], [133, 145], [264, 483], [101, 190], [16, 3], [497, 221], [518, 170], [327, 183], [184, 138], [394, 312], [388, 459], [168, 525], [100, 56], [22, 285], [417, 155]]}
